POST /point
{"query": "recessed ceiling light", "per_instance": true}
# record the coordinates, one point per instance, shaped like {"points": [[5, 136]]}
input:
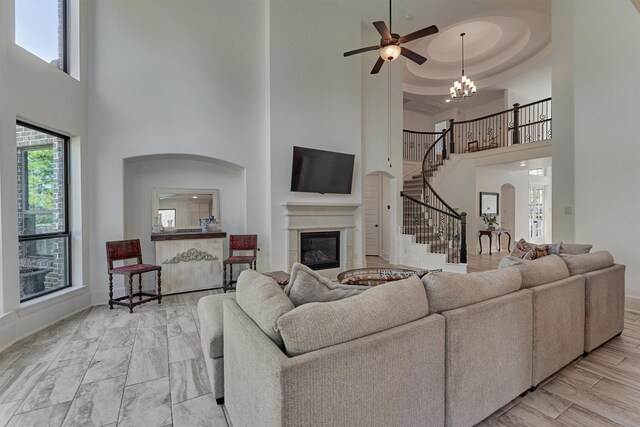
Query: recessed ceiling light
{"points": [[195, 197], [523, 163], [447, 100]]}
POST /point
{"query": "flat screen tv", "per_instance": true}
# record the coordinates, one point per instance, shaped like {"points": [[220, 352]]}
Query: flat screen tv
{"points": [[319, 171]]}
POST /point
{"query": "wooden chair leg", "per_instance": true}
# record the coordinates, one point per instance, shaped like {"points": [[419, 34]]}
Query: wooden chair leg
{"points": [[224, 278], [110, 291], [140, 287], [159, 287], [130, 294]]}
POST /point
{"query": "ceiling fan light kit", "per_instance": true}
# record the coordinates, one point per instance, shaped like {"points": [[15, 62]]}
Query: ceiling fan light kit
{"points": [[465, 88], [390, 52], [389, 47]]}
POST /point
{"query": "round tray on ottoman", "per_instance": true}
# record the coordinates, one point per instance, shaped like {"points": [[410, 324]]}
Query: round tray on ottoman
{"points": [[376, 276]]}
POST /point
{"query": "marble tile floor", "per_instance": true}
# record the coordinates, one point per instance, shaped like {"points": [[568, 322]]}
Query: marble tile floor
{"points": [[106, 367], [109, 367]]}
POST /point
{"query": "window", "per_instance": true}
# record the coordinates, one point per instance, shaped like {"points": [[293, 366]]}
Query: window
{"points": [[43, 220], [41, 28], [167, 217], [536, 172]]}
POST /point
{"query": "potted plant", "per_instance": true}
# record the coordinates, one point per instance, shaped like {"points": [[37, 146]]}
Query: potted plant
{"points": [[490, 220]]}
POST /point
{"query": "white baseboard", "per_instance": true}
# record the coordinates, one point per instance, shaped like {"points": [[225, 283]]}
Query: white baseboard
{"points": [[632, 304]]}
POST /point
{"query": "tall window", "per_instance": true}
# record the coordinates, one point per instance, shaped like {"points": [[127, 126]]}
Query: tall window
{"points": [[43, 220], [41, 28]]}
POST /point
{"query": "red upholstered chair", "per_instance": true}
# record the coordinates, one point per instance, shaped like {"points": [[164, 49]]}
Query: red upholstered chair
{"points": [[127, 249], [239, 242]]}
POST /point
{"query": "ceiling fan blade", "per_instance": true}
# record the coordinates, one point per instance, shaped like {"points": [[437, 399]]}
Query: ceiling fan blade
{"points": [[378, 65], [364, 49], [419, 34], [418, 59], [382, 29]]}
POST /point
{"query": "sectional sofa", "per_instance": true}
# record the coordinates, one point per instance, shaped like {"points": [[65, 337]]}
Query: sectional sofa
{"points": [[448, 350]]}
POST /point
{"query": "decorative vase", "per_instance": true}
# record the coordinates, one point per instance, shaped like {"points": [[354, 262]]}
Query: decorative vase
{"points": [[491, 227], [157, 226]]}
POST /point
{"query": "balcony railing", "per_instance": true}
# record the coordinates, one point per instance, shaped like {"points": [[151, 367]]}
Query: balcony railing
{"points": [[518, 125]]}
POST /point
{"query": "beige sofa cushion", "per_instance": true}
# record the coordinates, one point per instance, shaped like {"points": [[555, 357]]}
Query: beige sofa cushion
{"points": [[584, 263], [314, 326], [447, 291], [539, 271], [305, 286], [263, 301], [575, 248]]}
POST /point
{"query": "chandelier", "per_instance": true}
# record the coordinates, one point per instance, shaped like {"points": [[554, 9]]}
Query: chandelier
{"points": [[464, 88]]}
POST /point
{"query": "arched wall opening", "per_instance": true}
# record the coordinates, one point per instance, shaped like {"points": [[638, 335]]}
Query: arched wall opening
{"points": [[144, 173]]}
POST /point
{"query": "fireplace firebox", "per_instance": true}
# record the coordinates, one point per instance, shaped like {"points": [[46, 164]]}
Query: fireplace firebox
{"points": [[320, 250]]}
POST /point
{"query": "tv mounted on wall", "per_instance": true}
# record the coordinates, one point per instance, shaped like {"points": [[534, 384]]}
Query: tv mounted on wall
{"points": [[319, 171]]}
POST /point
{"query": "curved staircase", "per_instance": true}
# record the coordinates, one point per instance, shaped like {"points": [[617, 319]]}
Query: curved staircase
{"points": [[428, 221]]}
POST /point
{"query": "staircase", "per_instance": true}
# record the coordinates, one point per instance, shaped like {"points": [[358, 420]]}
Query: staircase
{"points": [[433, 225], [428, 220]]}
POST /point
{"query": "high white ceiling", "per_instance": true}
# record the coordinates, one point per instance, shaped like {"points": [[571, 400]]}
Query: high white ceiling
{"points": [[507, 45]]}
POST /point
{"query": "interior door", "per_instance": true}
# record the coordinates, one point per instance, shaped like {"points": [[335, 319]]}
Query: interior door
{"points": [[372, 198], [537, 212]]}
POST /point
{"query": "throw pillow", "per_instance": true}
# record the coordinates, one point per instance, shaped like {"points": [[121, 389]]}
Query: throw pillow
{"points": [[523, 250], [541, 250], [305, 286], [554, 248], [314, 326], [264, 302]]}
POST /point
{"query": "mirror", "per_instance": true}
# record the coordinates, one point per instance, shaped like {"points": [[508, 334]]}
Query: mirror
{"points": [[181, 209], [488, 203]]}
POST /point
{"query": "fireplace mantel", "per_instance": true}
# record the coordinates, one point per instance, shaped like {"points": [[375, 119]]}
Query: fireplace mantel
{"points": [[305, 216]]}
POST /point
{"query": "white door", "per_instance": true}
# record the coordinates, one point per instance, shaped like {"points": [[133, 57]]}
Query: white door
{"points": [[537, 212], [372, 197]]}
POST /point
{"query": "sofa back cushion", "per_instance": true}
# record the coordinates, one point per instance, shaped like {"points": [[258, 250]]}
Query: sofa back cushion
{"points": [[446, 291], [305, 286], [264, 302], [539, 271], [584, 263], [575, 248], [314, 326]]}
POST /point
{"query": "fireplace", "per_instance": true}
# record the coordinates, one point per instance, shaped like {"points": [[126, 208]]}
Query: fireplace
{"points": [[320, 250]]}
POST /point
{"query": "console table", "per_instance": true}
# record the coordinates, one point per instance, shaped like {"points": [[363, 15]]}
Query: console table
{"points": [[498, 232], [190, 260]]}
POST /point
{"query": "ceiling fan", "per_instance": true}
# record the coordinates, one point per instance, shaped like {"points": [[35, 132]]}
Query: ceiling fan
{"points": [[389, 46]]}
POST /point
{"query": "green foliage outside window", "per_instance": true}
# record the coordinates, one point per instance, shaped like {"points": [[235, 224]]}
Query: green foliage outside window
{"points": [[40, 184]]}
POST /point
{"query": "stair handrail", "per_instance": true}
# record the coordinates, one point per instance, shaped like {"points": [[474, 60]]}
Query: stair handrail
{"points": [[425, 180], [413, 199]]}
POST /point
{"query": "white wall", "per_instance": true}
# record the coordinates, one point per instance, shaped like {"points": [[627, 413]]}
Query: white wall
{"points": [[490, 179], [165, 83], [605, 126], [486, 109], [563, 160], [417, 122], [314, 102], [38, 93]]}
